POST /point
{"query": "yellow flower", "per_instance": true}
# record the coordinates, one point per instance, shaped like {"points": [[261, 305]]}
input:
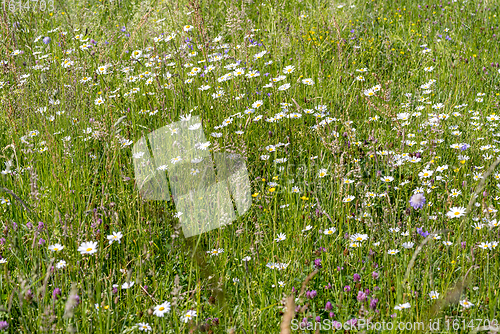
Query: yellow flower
{"points": [[255, 195], [272, 189]]}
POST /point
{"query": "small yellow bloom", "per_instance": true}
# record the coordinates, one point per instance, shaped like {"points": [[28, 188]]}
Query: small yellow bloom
{"points": [[272, 189]]}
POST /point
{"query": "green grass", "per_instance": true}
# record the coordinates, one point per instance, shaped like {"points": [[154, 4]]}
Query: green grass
{"points": [[80, 184]]}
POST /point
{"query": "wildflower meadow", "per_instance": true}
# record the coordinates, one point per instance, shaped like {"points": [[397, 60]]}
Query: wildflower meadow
{"points": [[367, 140]]}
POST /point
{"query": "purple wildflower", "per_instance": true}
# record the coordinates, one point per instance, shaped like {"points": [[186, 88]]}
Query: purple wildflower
{"points": [[373, 303], [311, 294], [361, 296], [56, 293], [76, 298], [422, 233], [417, 201]]}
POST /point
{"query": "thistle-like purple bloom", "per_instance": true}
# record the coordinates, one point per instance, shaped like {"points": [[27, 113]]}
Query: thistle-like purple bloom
{"points": [[417, 201], [361, 296], [311, 294], [4, 325], [56, 293]]}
